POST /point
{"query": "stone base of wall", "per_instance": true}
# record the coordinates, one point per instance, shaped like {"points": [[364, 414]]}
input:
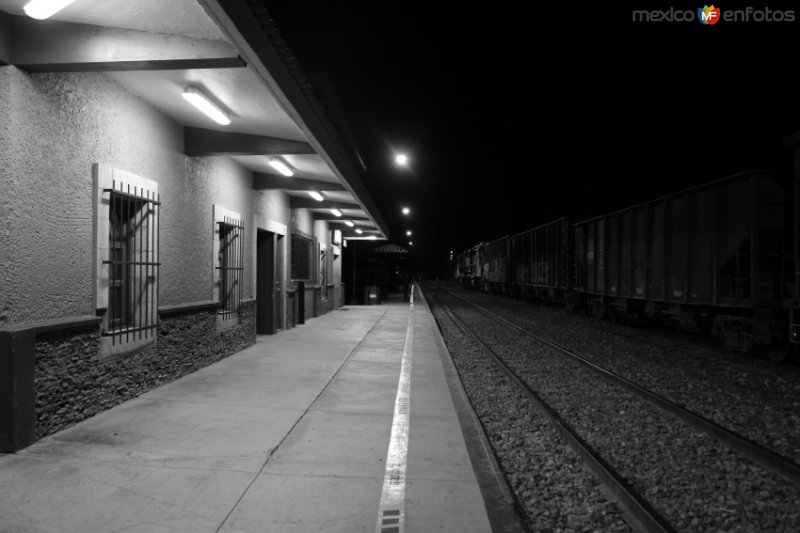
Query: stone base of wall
{"points": [[73, 383]]}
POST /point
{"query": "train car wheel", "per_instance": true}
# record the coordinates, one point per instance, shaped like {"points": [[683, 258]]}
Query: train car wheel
{"points": [[598, 309], [789, 353], [571, 303], [778, 355]]}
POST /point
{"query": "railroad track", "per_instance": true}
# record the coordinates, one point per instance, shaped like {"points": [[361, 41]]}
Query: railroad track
{"points": [[646, 517], [640, 512], [764, 457]]}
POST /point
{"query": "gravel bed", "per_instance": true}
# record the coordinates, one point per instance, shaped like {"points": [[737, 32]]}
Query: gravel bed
{"points": [[695, 484], [551, 485], [753, 397]]}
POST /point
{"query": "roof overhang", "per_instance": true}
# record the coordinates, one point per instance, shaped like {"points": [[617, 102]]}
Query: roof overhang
{"points": [[155, 49]]}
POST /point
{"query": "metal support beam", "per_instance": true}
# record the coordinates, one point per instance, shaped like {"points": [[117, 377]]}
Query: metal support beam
{"points": [[300, 202], [270, 181], [200, 142], [56, 46]]}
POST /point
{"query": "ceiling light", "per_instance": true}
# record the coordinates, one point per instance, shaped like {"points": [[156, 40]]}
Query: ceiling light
{"points": [[401, 159], [372, 237], [336, 212], [350, 224], [406, 210], [315, 195], [42, 9], [408, 233], [359, 231], [279, 165], [411, 243], [196, 97]]}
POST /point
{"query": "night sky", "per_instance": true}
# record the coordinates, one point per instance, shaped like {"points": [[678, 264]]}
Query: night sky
{"points": [[514, 119]]}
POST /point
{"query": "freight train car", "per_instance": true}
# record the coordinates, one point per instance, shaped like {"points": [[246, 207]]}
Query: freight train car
{"points": [[540, 263], [494, 266], [712, 255]]}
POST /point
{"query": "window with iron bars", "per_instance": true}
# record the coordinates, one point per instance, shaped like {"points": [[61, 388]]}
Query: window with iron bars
{"points": [[132, 264], [230, 267]]}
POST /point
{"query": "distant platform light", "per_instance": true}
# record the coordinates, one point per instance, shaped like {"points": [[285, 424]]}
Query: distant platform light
{"points": [[315, 195], [408, 233], [349, 223], [281, 166], [197, 98], [401, 159], [406, 210], [42, 9], [411, 243]]}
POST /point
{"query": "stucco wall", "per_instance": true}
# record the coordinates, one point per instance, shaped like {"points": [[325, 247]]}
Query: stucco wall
{"points": [[8, 186], [188, 225], [54, 127], [321, 232], [271, 205], [303, 220]]}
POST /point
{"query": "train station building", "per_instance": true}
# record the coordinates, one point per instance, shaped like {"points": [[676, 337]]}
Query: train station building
{"points": [[172, 188]]}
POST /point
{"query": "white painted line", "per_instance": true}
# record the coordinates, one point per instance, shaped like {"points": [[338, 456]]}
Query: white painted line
{"points": [[391, 514]]}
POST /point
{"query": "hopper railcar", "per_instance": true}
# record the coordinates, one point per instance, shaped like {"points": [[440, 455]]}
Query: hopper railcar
{"points": [[715, 257]]}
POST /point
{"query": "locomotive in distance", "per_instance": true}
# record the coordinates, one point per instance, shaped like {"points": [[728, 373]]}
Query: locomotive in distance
{"points": [[715, 257]]}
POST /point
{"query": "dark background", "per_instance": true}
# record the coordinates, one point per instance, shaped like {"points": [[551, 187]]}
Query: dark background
{"points": [[513, 117]]}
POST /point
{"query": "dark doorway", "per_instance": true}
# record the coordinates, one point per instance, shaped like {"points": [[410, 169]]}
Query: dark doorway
{"points": [[266, 316], [279, 292]]}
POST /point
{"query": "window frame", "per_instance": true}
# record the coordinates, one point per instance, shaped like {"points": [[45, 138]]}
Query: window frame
{"points": [[138, 221], [228, 264]]}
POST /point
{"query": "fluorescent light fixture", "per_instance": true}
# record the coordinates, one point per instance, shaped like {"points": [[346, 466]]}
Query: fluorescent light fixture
{"points": [[359, 231], [315, 195], [336, 212], [349, 224], [372, 237], [42, 9], [279, 165], [196, 97]]}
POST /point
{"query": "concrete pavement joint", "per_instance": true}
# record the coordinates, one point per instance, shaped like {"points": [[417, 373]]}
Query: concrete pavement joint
{"points": [[310, 406]]}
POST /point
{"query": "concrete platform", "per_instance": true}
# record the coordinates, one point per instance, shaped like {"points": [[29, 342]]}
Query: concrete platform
{"points": [[290, 435]]}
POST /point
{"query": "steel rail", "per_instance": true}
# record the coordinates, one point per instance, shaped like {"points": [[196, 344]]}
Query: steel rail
{"points": [[762, 456], [637, 508]]}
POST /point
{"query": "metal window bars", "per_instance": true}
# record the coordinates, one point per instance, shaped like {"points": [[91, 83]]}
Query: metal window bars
{"points": [[231, 261], [133, 264]]}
